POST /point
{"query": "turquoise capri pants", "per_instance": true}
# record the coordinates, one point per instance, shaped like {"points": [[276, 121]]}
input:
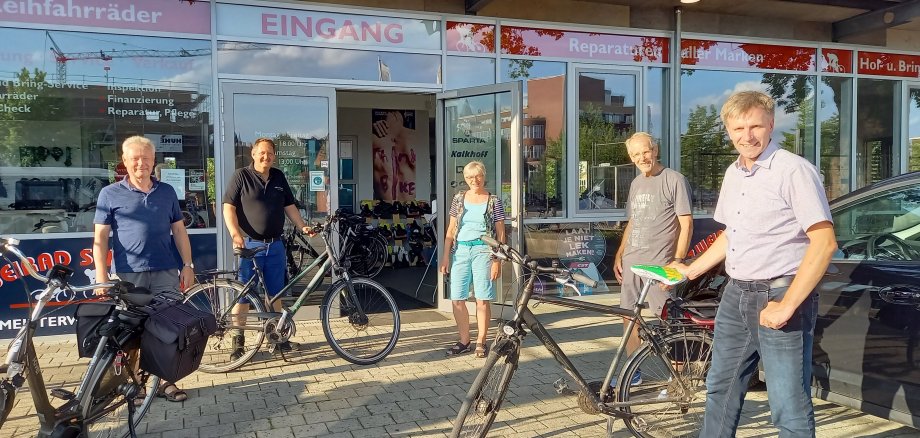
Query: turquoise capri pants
{"points": [[472, 264]]}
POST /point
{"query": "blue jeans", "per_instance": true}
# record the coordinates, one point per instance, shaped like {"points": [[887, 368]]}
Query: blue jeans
{"points": [[740, 341], [272, 262]]}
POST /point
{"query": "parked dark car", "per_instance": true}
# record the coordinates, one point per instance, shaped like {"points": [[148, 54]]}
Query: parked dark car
{"points": [[868, 329], [866, 338]]}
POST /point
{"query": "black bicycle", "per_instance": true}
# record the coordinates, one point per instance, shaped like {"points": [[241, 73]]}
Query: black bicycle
{"points": [[114, 394], [660, 391]]}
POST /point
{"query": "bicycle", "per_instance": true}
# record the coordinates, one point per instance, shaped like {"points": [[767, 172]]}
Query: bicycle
{"points": [[366, 249], [360, 319], [113, 395], [673, 360]]}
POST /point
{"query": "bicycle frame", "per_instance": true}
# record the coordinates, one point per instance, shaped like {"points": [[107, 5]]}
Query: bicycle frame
{"points": [[326, 263], [525, 315]]}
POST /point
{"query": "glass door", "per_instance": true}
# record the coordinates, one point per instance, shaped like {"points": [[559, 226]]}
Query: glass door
{"points": [[301, 122], [482, 124], [607, 104]]}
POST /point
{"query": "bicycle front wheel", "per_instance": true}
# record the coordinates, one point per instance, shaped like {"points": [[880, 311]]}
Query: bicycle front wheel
{"points": [[362, 327], [485, 397], [238, 337], [105, 407], [668, 408]]}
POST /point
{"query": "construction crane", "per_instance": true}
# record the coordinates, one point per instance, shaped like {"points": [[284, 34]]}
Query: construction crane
{"points": [[61, 58]]}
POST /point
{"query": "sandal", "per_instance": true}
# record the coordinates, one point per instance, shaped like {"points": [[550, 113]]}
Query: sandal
{"points": [[459, 349], [176, 395], [482, 350]]}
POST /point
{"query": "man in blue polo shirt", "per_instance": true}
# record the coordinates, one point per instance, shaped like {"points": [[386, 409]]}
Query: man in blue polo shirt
{"points": [[150, 246], [257, 199]]}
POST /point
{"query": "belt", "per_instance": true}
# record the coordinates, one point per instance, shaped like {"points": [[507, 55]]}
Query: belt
{"points": [[269, 240], [471, 242], [763, 285]]}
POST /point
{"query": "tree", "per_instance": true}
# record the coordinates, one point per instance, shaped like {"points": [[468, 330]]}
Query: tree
{"points": [[705, 153]]}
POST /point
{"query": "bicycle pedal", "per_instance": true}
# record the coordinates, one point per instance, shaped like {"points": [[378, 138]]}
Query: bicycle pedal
{"points": [[63, 394], [561, 386]]}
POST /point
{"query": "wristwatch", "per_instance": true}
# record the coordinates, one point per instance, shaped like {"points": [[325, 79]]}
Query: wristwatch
{"points": [[190, 265]]}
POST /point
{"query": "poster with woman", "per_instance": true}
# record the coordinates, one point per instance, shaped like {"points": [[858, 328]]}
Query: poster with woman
{"points": [[393, 143]]}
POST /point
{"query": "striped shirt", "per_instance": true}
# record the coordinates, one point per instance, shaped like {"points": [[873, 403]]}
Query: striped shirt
{"points": [[498, 207]]}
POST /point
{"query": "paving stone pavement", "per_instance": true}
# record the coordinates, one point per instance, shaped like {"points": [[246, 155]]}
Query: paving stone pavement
{"points": [[415, 392]]}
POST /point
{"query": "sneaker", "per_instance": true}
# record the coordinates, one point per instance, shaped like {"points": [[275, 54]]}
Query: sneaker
{"points": [[238, 350]]}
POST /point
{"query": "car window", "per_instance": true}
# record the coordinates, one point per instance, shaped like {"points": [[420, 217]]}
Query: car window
{"points": [[883, 226]]}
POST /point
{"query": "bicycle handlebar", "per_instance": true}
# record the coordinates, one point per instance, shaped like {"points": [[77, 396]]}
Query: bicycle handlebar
{"points": [[11, 245]]}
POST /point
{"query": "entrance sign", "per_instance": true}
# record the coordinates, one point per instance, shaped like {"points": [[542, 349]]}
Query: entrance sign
{"points": [[327, 27], [583, 45], [707, 53], [888, 64]]}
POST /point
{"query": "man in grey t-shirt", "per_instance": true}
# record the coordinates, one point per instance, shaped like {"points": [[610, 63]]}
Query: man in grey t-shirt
{"points": [[659, 227]]}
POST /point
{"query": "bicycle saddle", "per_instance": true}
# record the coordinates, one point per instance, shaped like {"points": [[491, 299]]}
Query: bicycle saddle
{"points": [[248, 253], [665, 275]]}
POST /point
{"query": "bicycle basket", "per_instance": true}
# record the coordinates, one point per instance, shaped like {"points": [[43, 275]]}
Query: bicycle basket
{"points": [[90, 316]]}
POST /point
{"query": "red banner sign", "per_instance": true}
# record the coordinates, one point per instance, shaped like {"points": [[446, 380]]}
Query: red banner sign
{"points": [[888, 64], [705, 53], [583, 45], [836, 61], [470, 37]]}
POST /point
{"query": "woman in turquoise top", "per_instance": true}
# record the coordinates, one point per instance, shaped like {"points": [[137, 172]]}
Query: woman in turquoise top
{"points": [[473, 212]]}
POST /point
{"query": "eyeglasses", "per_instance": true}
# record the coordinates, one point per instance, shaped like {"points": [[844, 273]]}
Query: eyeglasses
{"points": [[472, 177]]}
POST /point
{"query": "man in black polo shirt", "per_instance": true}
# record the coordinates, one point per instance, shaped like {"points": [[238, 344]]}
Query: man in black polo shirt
{"points": [[255, 203]]}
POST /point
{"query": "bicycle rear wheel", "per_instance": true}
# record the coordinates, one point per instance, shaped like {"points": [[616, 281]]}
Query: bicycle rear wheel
{"points": [[362, 328], [104, 408], [485, 397], [224, 351], [668, 409]]}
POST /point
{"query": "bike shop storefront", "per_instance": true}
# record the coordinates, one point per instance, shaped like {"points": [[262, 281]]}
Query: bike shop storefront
{"points": [[63, 114]]}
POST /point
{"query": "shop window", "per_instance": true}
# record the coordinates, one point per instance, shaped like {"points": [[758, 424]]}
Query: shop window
{"points": [[464, 71], [544, 147], [606, 107], [584, 247], [327, 63], [913, 129], [63, 122], [835, 103], [656, 99], [876, 128], [706, 150]]}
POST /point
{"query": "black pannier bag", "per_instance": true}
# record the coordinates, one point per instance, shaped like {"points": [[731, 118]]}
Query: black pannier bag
{"points": [[174, 337], [90, 316]]}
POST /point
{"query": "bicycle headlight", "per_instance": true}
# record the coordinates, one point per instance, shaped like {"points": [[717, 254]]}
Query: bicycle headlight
{"points": [[508, 329]]}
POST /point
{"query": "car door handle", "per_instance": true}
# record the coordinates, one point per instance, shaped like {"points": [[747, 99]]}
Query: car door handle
{"points": [[903, 294]]}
